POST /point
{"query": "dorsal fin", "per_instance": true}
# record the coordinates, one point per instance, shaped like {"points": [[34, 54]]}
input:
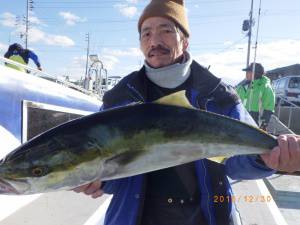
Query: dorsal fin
{"points": [[177, 99]]}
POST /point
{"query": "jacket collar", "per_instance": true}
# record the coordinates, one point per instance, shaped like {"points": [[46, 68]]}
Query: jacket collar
{"points": [[202, 81]]}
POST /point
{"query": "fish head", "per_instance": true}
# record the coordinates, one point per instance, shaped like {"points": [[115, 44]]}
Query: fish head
{"points": [[36, 169]]}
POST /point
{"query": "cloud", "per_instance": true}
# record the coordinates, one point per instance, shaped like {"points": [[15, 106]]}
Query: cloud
{"points": [[126, 10], [71, 19], [113, 58], [134, 52], [109, 61], [59, 40], [75, 69], [229, 64], [132, 1], [37, 35], [35, 21], [279, 53], [8, 19], [3, 47]]}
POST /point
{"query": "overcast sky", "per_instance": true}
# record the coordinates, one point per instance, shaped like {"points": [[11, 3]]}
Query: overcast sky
{"points": [[58, 34]]}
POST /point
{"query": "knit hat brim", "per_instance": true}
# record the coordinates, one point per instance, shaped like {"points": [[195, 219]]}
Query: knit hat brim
{"points": [[173, 10]]}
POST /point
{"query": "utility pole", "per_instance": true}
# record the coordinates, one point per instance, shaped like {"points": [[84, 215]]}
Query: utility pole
{"points": [[87, 38], [250, 34], [26, 24], [29, 7]]}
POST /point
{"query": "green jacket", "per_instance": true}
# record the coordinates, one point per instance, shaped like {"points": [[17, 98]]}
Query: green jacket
{"points": [[262, 95]]}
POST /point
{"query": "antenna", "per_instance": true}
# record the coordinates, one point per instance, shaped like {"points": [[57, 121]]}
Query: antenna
{"points": [[29, 7], [254, 60], [87, 38], [257, 30], [247, 26]]}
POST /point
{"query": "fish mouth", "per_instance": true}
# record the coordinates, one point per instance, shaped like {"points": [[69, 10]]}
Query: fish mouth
{"points": [[7, 189]]}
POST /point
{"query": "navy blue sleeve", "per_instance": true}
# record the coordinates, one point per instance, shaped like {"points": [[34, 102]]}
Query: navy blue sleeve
{"points": [[7, 54], [112, 186], [245, 166], [35, 58]]}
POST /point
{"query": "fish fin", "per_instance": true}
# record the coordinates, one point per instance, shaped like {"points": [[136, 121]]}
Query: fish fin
{"points": [[114, 165], [218, 159], [177, 99], [123, 158]]}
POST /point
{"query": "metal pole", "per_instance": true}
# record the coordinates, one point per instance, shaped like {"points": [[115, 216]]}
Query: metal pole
{"points": [[290, 117], [26, 24], [254, 61], [249, 35], [87, 54], [258, 23]]}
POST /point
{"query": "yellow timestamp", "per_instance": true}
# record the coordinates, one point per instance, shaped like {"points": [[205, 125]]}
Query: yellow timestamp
{"points": [[240, 198]]}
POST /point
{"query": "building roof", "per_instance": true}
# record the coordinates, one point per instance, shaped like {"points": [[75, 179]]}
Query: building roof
{"points": [[284, 71]]}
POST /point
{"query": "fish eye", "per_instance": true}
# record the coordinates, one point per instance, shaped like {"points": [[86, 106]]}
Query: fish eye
{"points": [[39, 171]]}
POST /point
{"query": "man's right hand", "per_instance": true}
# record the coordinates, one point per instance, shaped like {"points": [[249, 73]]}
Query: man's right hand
{"points": [[92, 189]]}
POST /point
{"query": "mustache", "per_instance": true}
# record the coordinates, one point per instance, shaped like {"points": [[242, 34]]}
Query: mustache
{"points": [[158, 48]]}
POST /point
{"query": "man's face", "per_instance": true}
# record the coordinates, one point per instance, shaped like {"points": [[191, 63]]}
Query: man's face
{"points": [[249, 75], [161, 42]]}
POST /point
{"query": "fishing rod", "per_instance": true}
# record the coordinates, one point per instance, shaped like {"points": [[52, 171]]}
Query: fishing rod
{"points": [[254, 59]]}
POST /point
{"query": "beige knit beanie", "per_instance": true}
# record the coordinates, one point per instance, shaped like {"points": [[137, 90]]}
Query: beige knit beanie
{"points": [[171, 9]]}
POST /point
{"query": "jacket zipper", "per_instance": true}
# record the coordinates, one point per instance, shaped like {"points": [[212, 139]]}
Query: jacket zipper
{"points": [[137, 97], [208, 195]]}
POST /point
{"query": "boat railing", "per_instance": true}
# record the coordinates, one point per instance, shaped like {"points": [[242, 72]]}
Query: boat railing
{"points": [[291, 108], [47, 76]]}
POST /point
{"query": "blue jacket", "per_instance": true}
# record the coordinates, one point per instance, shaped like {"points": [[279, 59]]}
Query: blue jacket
{"points": [[206, 92], [26, 54]]}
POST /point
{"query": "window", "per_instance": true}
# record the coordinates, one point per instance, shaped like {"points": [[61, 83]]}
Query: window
{"points": [[294, 82], [281, 83], [275, 84], [39, 117]]}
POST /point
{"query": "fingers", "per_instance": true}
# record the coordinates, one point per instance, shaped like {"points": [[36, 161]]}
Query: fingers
{"points": [[289, 159], [294, 150], [294, 143], [80, 188], [97, 194], [286, 156], [271, 159], [284, 150], [92, 189]]}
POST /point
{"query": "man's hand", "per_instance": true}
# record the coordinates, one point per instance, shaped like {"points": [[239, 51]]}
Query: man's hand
{"points": [[285, 156], [93, 189]]}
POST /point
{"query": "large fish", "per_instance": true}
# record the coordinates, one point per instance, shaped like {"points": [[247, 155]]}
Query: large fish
{"points": [[123, 142]]}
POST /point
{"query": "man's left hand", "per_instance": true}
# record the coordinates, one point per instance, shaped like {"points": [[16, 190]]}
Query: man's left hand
{"points": [[285, 156]]}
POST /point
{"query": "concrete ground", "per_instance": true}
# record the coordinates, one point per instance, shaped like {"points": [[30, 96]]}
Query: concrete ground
{"points": [[286, 192], [59, 208], [255, 204]]}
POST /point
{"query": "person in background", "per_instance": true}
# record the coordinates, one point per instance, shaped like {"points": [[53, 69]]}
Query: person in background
{"points": [[181, 195], [18, 54], [257, 94]]}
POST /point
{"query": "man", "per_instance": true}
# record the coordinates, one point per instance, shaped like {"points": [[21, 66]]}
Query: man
{"points": [[18, 54], [183, 194], [257, 94]]}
